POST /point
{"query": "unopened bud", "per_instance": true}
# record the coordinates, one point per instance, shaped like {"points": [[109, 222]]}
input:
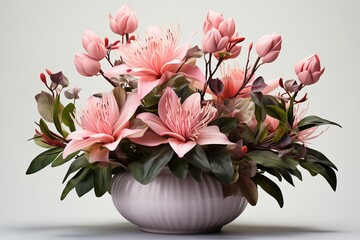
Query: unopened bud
{"points": [[106, 42], [244, 150], [43, 78]]}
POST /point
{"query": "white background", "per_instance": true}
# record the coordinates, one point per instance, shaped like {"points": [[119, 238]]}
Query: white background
{"points": [[47, 34]]}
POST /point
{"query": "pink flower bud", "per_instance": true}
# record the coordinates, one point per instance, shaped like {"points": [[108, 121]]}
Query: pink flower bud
{"points": [[213, 42], [227, 28], [85, 65], [309, 70], [268, 47], [213, 20], [93, 45], [124, 22]]}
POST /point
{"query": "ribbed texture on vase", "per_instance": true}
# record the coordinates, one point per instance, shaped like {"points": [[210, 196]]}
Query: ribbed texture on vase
{"points": [[172, 205]]}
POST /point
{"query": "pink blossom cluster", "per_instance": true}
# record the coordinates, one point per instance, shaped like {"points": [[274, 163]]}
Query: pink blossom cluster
{"points": [[181, 123]]}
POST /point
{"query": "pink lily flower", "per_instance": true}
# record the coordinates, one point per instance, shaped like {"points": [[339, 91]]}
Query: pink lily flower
{"points": [[103, 127], [184, 125], [155, 61]]}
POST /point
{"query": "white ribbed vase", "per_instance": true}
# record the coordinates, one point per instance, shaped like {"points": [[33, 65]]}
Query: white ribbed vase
{"points": [[171, 205]]}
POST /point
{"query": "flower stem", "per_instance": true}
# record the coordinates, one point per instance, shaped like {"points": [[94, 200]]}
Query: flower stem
{"points": [[107, 79]]}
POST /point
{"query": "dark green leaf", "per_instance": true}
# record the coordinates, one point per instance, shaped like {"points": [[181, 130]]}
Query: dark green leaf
{"points": [[45, 106], [270, 187], [68, 115], [269, 100], [150, 100], [245, 134], [248, 189], [177, 82], [315, 156], [85, 185], [78, 163], [179, 167], [102, 179], [257, 98], [296, 173], [198, 158], [195, 172], [59, 160], [79, 176], [220, 163], [260, 114], [327, 172], [313, 121], [43, 159], [225, 124], [146, 169], [286, 175]]}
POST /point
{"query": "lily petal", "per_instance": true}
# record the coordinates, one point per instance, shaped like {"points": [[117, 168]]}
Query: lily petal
{"points": [[127, 111], [181, 148], [169, 97], [99, 154], [154, 122], [149, 139], [193, 72], [212, 135], [145, 86]]}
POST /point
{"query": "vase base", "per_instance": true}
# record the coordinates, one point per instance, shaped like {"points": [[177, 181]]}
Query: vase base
{"points": [[181, 232]]}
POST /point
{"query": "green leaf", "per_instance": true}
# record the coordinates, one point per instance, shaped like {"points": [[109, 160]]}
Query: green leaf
{"points": [[146, 169], [45, 129], [43, 159], [68, 115], [276, 112], [315, 156], [102, 179], [179, 167], [38, 140], [226, 124], [45, 104], [270, 159], [85, 185], [270, 187], [57, 113], [195, 172], [220, 163], [198, 158], [59, 160], [78, 163], [177, 82], [263, 133], [327, 172], [313, 121], [79, 176]]}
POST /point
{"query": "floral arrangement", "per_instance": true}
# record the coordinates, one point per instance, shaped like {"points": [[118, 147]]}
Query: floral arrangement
{"points": [[193, 110]]}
